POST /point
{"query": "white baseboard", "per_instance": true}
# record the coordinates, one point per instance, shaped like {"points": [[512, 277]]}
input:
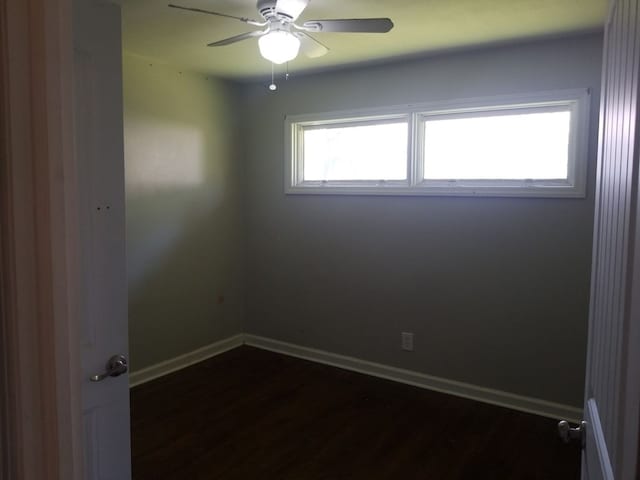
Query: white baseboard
{"points": [[429, 382], [178, 363], [451, 387]]}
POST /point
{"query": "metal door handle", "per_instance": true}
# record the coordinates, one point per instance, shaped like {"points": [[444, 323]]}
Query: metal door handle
{"points": [[117, 365], [568, 434]]}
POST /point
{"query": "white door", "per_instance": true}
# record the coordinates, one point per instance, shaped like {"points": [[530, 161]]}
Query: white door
{"points": [[612, 396], [99, 150]]}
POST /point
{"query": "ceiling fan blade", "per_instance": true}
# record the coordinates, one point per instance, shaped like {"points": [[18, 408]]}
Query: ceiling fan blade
{"points": [[237, 38], [291, 8], [311, 47], [209, 12], [356, 25]]}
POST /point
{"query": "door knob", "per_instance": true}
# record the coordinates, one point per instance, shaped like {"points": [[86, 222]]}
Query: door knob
{"points": [[117, 365]]}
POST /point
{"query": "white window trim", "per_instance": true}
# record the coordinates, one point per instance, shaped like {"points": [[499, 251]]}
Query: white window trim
{"points": [[576, 100]]}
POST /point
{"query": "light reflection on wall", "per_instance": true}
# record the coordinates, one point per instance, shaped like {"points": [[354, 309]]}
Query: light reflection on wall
{"points": [[164, 156]]}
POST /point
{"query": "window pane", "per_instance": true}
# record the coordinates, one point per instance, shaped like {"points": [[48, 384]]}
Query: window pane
{"points": [[508, 146], [363, 152]]}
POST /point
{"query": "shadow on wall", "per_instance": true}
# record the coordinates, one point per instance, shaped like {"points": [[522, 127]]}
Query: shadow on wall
{"points": [[175, 307]]}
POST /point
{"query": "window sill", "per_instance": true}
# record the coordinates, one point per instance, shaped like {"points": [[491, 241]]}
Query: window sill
{"points": [[375, 189]]}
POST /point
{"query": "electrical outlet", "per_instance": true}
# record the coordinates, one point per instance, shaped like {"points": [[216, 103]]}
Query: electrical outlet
{"points": [[407, 341]]}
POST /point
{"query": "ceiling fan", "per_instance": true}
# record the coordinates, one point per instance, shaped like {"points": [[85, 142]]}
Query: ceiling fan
{"points": [[282, 39]]}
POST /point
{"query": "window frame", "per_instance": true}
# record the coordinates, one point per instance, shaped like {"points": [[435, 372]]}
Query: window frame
{"points": [[576, 101], [294, 132]]}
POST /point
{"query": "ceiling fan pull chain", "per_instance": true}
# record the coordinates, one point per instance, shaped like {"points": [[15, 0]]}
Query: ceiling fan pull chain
{"points": [[273, 87]]}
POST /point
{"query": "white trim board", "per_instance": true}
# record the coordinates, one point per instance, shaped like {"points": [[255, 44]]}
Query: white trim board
{"points": [[183, 361], [451, 387], [409, 377]]}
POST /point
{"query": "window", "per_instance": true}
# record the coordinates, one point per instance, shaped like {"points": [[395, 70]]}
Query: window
{"points": [[506, 146], [355, 151]]}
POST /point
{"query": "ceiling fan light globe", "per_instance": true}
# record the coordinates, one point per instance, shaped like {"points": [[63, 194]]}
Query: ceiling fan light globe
{"points": [[279, 46]]}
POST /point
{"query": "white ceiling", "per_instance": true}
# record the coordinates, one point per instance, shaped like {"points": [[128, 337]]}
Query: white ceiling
{"points": [[179, 38]]}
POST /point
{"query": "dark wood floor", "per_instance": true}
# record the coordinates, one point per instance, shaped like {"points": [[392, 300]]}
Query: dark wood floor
{"points": [[252, 414]]}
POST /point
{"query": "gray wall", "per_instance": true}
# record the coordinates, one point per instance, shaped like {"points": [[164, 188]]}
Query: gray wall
{"points": [[184, 211], [495, 289]]}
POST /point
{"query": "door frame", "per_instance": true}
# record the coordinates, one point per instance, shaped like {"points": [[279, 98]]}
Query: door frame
{"points": [[40, 371], [625, 460]]}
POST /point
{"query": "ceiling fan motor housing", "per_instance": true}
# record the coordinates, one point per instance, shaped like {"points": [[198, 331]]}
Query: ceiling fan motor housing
{"points": [[267, 9]]}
